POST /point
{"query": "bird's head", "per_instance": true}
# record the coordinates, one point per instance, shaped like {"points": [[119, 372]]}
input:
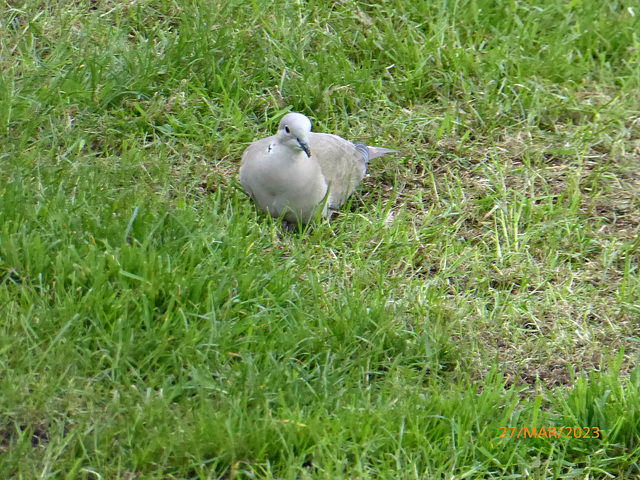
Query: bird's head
{"points": [[294, 132]]}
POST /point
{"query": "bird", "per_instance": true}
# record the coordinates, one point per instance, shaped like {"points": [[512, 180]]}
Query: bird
{"points": [[297, 173]]}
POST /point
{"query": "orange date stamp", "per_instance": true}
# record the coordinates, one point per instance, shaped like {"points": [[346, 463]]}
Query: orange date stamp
{"points": [[550, 432]]}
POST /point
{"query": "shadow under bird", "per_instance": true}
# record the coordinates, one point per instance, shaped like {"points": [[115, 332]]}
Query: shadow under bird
{"points": [[297, 173]]}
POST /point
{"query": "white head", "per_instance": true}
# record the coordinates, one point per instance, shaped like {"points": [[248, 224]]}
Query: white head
{"points": [[294, 132]]}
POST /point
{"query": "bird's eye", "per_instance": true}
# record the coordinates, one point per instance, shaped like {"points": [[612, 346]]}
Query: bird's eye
{"points": [[287, 129]]}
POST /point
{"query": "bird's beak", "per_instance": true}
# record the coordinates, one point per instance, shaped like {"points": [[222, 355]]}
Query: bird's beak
{"points": [[304, 145]]}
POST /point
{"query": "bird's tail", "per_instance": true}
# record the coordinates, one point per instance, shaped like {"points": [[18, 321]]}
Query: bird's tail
{"points": [[375, 152], [369, 153]]}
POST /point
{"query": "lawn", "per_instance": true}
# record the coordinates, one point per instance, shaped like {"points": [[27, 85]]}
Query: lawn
{"points": [[480, 285]]}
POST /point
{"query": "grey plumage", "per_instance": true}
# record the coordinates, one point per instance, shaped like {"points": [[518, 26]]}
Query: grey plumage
{"points": [[297, 172]]}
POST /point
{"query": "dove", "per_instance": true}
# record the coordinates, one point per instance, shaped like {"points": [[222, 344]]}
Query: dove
{"points": [[297, 173]]}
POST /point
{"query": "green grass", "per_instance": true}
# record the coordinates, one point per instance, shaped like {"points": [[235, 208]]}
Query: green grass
{"points": [[154, 325]]}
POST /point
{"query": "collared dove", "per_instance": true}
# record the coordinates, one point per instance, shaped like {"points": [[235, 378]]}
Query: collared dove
{"points": [[295, 173]]}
